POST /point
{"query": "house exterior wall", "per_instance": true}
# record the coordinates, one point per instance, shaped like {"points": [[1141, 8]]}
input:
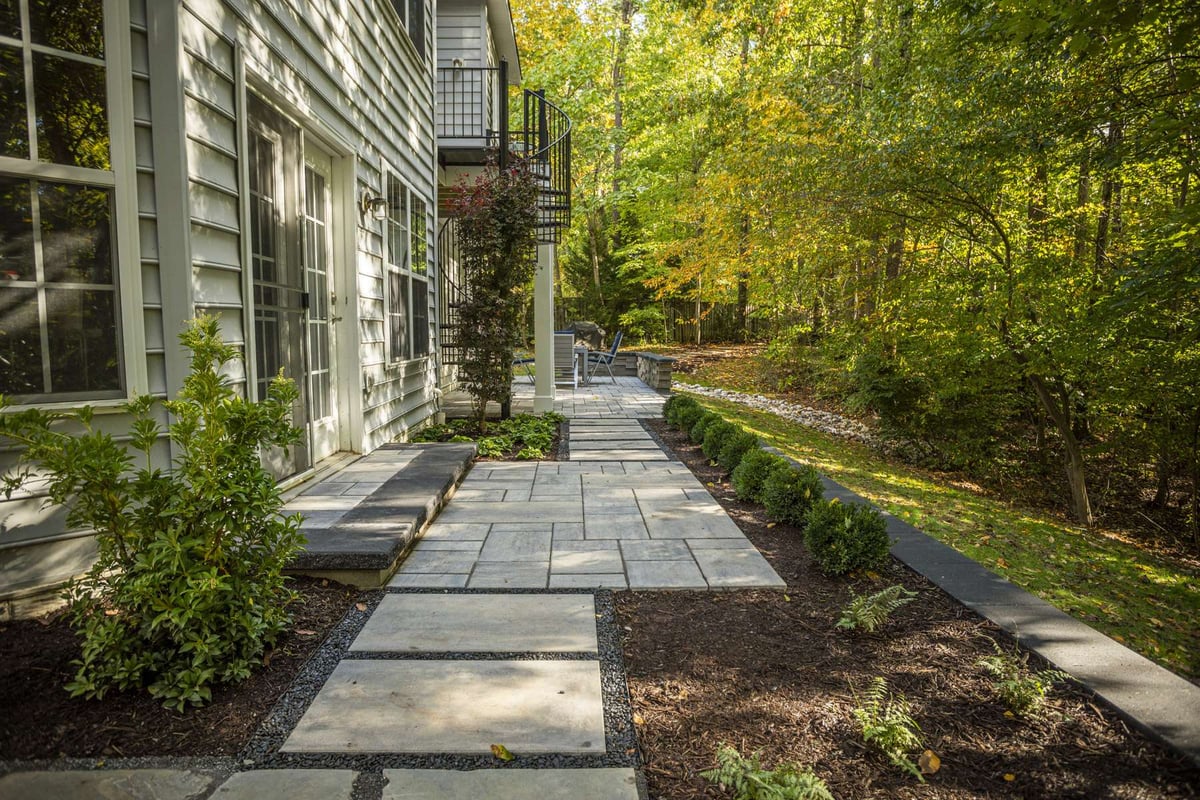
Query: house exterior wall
{"points": [[346, 74]]}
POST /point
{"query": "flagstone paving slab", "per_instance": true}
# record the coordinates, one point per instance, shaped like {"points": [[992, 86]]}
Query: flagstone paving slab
{"points": [[584, 562], [609, 783], [480, 623], [664, 575], [427, 580], [437, 706], [551, 511], [743, 568], [509, 575], [618, 455], [125, 784], [288, 784]]}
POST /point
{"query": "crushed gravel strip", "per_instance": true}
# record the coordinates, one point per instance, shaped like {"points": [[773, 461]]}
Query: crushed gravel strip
{"points": [[824, 421]]}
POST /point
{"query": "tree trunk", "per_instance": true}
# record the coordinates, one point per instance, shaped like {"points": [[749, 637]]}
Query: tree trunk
{"points": [[618, 84], [1162, 468], [1060, 415]]}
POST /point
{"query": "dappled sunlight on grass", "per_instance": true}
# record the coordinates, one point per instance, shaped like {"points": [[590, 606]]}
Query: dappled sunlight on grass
{"points": [[1137, 597]]}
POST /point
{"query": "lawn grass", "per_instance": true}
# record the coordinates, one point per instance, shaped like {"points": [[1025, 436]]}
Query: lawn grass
{"points": [[1137, 598]]}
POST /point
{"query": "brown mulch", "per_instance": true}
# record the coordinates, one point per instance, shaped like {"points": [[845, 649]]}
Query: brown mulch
{"points": [[43, 721], [768, 671]]}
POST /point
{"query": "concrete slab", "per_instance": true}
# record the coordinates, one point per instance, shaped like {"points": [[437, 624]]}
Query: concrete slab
{"points": [[567, 531], [509, 575], [473, 532], [609, 783], [288, 784], [744, 568], [587, 561], [110, 784], [614, 526], [551, 511], [376, 706], [480, 623], [719, 544], [618, 455], [576, 446], [699, 524], [614, 580], [439, 561], [662, 550], [428, 580], [664, 575], [516, 546]]}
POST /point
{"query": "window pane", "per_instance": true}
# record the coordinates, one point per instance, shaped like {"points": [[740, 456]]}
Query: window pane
{"points": [[72, 112], [416, 25], [420, 290], [76, 241], [397, 224], [10, 18], [14, 123], [82, 340], [76, 26], [20, 342], [420, 257], [16, 231], [397, 313]]}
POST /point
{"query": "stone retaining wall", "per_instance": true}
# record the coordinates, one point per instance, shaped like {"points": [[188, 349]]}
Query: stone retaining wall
{"points": [[655, 371]]}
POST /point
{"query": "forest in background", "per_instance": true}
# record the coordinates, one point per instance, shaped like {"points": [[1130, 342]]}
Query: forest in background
{"points": [[973, 219]]}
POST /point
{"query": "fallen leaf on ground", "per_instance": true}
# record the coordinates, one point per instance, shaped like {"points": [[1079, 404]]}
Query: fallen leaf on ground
{"points": [[771, 524], [305, 632], [501, 752], [929, 762], [361, 606], [1008, 776], [1000, 562], [638, 719]]}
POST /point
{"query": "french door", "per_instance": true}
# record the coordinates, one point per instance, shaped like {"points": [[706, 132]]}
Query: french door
{"points": [[290, 244]]}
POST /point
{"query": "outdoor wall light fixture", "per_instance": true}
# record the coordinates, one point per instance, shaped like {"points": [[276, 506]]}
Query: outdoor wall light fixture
{"points": [[375, 206]]}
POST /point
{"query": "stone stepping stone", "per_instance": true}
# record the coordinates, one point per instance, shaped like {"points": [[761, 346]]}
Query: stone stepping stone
{"points": [[619, 455], [480, 623], [288, 784], [437, 706], [623, 444], [608, 783], [91, 784]]}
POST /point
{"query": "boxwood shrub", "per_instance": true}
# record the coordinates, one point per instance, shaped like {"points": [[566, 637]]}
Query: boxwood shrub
{"points": [[846, 536], [735, 447], [686, 417], [788, 494], [700, 426], [748, 477], [715, 436], [668, 410]]}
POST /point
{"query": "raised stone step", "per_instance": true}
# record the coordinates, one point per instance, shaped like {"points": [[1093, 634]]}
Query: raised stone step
{"points": [[511, 784]]}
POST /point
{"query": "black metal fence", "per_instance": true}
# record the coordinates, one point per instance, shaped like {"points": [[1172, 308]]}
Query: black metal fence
{"points": [[718, 322]]}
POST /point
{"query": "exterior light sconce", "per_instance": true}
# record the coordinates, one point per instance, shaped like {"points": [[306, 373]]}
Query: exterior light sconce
{"points": [[375, 206]]}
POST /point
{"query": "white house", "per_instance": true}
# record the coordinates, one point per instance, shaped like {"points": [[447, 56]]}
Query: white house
{"points": [[272, 162]]}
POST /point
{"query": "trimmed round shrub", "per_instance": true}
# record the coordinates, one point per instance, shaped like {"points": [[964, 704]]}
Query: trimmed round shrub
{"points": [[669, 408], [715, 436], [788, 494], [749, 476], [735, 447], [688, 416], [700, 426], [843, 537]]}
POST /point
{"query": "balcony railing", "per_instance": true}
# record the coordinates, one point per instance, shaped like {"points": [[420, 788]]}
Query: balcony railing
{"points": [[472, 104]]}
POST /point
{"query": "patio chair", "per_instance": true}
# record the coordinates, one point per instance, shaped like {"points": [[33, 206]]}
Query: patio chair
{"points": [[526, 362], [598, 360]]}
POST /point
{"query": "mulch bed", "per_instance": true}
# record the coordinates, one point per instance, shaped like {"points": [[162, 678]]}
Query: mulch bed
{"points": [[43, 721], [768, 671]]}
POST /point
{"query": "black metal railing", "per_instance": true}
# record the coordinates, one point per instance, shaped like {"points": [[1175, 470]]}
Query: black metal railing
{"points": [[472, 104], [452, 294], [545, 141]]}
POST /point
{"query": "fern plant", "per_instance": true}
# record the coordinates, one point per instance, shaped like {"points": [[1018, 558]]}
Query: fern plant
{"points": [[888, 726], [1023, 691], [747, 779], [869, 613]]}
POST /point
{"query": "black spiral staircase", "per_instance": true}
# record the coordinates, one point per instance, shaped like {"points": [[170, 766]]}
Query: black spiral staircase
{"points": [[474, 128]]}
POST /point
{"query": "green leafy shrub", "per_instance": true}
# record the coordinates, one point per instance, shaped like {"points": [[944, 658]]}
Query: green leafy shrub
{"points": [[528, 434], [736, 446], [187, 589], [1023, 691], [869, 613], [688, 416], [669, 408], [700, 426], [887, 725], [846, 536], [675, 405], [715, 436], [645, 324], [788, 494], [747, 779], [494, 446], [748, 477]]}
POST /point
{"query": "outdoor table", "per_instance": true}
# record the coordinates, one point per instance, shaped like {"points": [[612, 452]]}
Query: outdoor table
{"points": [[581, 356]]}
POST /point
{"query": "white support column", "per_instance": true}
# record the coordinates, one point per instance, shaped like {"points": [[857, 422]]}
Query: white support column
{"points": [[543, 330]]}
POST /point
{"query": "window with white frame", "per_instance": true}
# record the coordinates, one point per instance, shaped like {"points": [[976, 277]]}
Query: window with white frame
{"points": [[59, 305], [412, 18], [406, 296]]}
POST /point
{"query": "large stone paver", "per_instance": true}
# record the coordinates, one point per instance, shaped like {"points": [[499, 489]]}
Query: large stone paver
{"points": [[479, 623], [288, 784], [441, 706], [548, 511], [511, 784], [112, 784]]}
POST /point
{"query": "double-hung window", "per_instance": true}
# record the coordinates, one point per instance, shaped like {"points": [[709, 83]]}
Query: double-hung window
{"points": [[407, 272], [412, 18], [59, 303]]}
